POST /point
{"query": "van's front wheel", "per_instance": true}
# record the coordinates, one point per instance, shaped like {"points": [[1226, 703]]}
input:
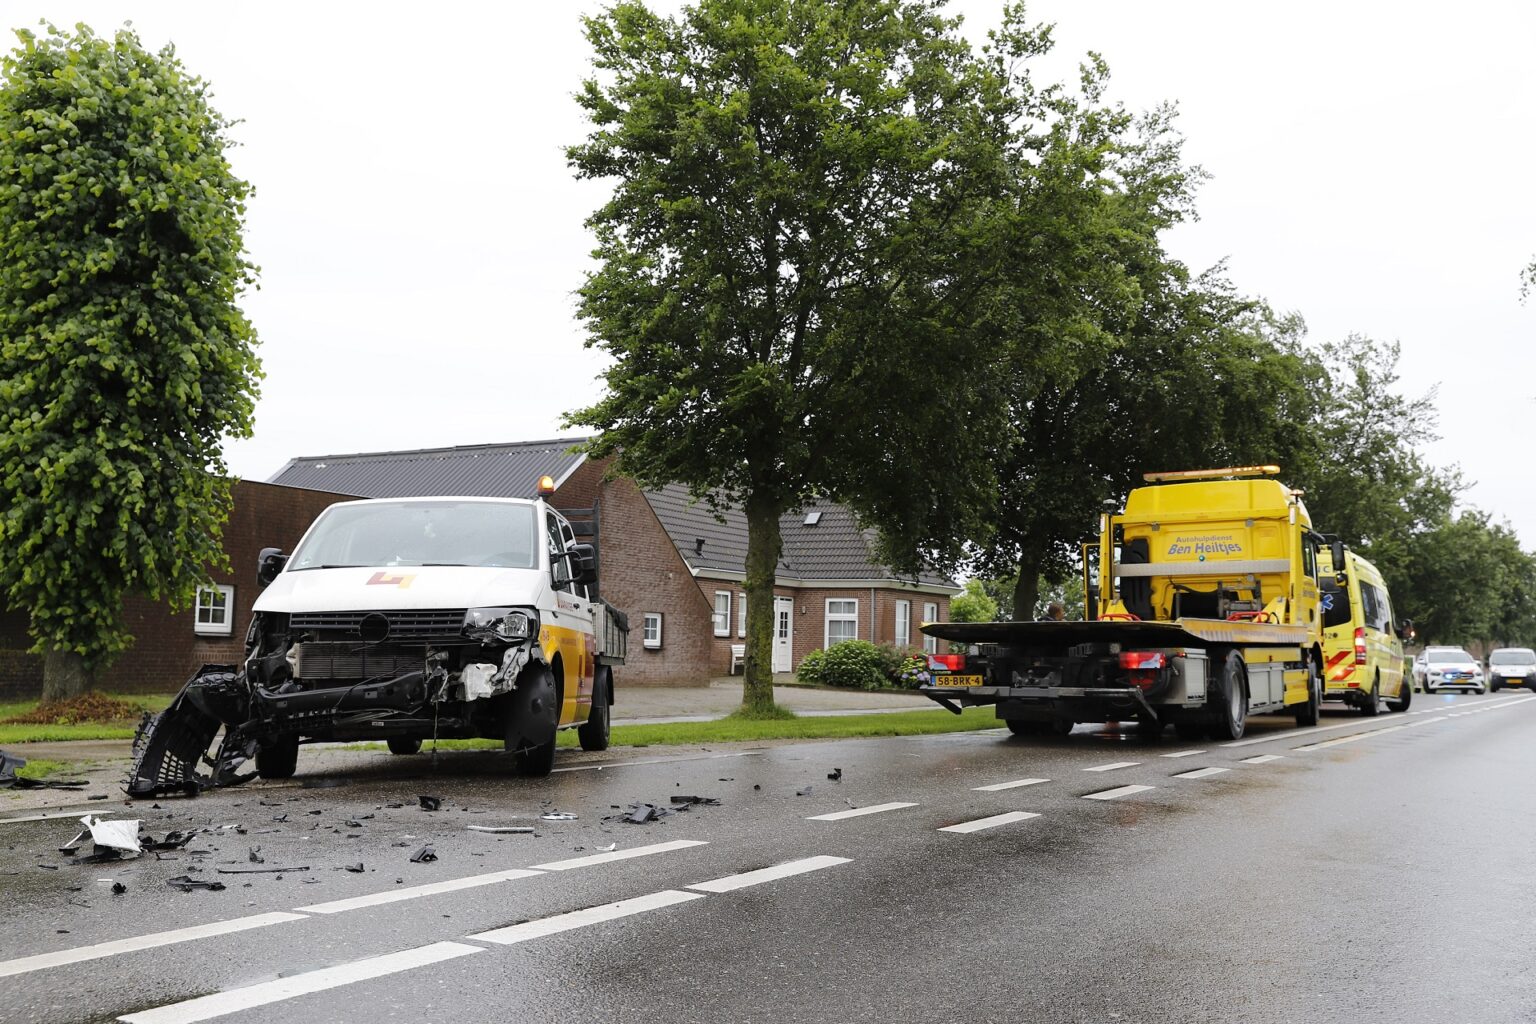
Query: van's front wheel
{"points": [[529, 717], [1372, 706]]}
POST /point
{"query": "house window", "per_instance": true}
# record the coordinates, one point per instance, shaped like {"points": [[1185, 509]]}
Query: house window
{"points": [[651, 635], [930, 614], [722, 613], [215, 611], [741, 614], [903, 623], [842, 620]]}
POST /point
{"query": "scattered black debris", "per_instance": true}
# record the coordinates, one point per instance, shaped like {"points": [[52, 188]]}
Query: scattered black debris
{"points": [[316, 812], [703, 801], [394, 807], [242, 870], [356, 869], [425, 855], [174, 840], [727, 780], [430, 803], [352, 824], [803, 792], [756, 786], [324, 783], [74, 844], [118, 888], [97, 796], [256, 857], [836, 775], [186, 883], [279, 817], [55, 867]]}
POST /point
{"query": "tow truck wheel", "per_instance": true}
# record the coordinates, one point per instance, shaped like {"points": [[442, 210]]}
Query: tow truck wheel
{"points": [[404, 745], [278, 760], [529, 718], [593, 734], [1231, 705], [1404, 697], [1025, 727], [1062, 727], [1372, 704], [1310, 712]]}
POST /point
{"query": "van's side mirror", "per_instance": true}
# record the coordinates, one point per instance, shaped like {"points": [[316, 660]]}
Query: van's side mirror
{"points": [[268, 564], [1336, 549], [583, 563]]}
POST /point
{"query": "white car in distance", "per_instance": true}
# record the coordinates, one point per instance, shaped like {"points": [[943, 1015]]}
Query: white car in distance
{"points": [[1448, 668]]}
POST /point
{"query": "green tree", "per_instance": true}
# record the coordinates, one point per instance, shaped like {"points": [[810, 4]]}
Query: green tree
{"points": [[124, 360], [813, 206], [973, 605]]}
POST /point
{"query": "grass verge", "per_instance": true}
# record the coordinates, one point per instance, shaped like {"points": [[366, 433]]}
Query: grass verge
{"points": [[734, 729], [119, 729]]}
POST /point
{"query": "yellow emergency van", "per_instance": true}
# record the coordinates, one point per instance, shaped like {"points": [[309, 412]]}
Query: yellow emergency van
{"points": [[1362, 640]]}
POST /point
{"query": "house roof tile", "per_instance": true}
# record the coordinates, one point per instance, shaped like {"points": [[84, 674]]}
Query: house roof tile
{"points": [[488, 470]]}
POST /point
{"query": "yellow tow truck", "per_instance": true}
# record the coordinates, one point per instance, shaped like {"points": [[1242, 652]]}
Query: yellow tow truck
{"points": [[1203, 607]]}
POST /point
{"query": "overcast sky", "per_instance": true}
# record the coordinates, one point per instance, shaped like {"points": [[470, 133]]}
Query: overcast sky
{"points": [[420, 236]]}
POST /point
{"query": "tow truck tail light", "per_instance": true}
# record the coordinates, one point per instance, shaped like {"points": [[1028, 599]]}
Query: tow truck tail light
{"points": [[946, 662], [1142, 659], [1360, 645]]}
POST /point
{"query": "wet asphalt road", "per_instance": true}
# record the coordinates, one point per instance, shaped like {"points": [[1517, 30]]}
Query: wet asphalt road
{"points": [[1383, 875]]}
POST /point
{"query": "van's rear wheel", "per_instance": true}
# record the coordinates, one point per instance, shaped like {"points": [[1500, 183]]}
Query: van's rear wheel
{"points": [[593, 734], [1372, 706], [1231, 705]]}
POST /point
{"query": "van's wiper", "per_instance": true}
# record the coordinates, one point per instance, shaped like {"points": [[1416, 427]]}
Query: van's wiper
{"points": [[304, 568]]}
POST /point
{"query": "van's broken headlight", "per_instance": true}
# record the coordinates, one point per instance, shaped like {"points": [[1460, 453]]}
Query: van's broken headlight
{"points": [[489, 624]]}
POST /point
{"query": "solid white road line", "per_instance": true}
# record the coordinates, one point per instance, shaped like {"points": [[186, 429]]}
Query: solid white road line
{"points": [[998, 787], [103, 949], [613, 855], [1201, 773], [1291, 734], [653, 760], [992, 822], [1263, 759], [1184, 753], [1112, 766], [581, 918], [1351, 739], [1115, 794], [730, 883], [77, 815], [234, 1000], [859, 812], [432, 889]]}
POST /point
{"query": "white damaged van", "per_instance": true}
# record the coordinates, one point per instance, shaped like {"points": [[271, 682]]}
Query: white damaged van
{"points": [[403, 619]]}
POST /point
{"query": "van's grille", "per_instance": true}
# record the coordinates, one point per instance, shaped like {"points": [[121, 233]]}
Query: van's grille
{"points": [[319, 660], [404, 624]]}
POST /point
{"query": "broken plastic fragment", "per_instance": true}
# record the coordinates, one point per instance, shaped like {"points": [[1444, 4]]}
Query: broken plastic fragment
{"points": [[118, 888], [122, 836], [557, 816], [356, 869], [430, 803], [803, 792], [500, 829], [258, 870], [425, 855], [836, 775], [186, 883]]}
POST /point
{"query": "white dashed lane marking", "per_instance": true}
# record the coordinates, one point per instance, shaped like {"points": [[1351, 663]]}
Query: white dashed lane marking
{"points": [[859, 812], [396, 895], [998, 787], [220, 1003], [1200, 773], [993, 822], [1115, 794], [113, 948], [730, 883], [1184, 753], [1112, 766], [613, 855], [1263, 759]]}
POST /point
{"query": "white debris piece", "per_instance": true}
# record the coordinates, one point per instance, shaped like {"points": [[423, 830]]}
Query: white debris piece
{"points": [[117, 835], [477, 680]]}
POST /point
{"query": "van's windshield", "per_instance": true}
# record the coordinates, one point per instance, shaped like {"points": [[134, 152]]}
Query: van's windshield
{"points": [[480, 533], [1513, 656]]}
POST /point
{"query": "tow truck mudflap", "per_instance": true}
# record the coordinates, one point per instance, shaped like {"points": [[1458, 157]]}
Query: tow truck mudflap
{"points": [[1040, 698]]}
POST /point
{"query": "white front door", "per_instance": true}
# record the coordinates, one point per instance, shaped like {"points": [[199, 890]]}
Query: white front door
{"points": [[783, 633]]}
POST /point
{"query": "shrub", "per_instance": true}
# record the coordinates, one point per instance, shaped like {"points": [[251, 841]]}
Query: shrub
{"points": [[811, 667], [857, 664], [913, 672]]}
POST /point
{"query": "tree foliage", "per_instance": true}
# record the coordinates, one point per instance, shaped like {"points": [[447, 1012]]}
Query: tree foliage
{"points": [[124, 359], [973, 605], [816, 206]]}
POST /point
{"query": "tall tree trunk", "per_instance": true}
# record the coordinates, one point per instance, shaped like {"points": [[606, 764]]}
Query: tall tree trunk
{"points": [[1026, 589], [763, 547], [65, 675]]}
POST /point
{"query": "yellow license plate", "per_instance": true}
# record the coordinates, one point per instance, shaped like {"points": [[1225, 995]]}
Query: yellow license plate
{"points": [[957, 680]]}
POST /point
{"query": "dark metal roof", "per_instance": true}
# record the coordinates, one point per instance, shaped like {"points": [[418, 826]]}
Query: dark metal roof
{"points": [[484, 470], [833, 548]]}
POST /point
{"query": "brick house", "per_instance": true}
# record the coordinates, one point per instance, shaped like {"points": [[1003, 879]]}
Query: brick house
{"points": [[672, 565]]}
